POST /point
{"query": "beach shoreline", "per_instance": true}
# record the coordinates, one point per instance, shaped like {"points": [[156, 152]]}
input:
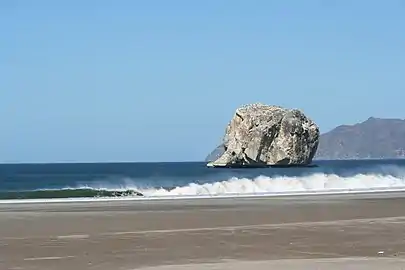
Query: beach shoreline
{"points": [[210, 233]]}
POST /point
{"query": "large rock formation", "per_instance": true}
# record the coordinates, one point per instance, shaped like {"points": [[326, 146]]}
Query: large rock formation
{"points": [[261, 135]]}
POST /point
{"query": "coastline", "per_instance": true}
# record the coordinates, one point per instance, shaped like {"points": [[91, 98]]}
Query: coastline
{"points": [[183, 198], [206, 234]]}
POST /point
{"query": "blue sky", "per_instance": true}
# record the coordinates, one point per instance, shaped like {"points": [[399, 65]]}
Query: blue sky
{"points": [[159, 80]]}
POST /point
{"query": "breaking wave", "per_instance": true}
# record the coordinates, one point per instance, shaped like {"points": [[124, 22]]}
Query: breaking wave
{"points": [[66, 193], [262, 185], [318, 183]]}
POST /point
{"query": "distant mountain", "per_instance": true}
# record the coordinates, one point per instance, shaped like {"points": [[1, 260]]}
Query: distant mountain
{"points": [[216, 153], [373, 138]]}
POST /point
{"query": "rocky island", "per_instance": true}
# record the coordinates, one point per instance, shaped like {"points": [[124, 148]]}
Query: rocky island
{"points": [[261, 135]]}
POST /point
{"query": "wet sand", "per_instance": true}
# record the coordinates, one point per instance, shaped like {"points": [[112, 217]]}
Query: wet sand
{"points": [[322, 232]]}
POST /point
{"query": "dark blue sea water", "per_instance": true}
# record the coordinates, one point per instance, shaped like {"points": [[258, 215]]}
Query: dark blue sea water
{"points": [[153, 180]]}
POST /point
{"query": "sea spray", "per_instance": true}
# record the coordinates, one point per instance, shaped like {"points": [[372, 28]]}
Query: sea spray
{"points": [[261, 185], [194, 180], [278, 185]]}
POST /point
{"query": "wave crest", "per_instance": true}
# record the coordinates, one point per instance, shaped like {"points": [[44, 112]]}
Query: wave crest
{"points": [[318, 182]]}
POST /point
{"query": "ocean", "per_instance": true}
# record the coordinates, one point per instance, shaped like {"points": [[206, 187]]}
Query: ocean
{"points": [[115, 181]]}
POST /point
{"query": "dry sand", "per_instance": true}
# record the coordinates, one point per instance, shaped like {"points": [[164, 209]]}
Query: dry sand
{"points": [[312, 232]]}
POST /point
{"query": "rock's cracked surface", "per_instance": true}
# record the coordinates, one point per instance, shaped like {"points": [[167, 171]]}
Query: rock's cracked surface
{"points": [[260, 134]]}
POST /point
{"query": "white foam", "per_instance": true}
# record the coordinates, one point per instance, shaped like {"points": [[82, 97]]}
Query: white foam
{"points": [[318, 183], [315, 183]]}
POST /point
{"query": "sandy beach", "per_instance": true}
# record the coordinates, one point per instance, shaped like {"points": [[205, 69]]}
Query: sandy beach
{"points": [[323, 232]]}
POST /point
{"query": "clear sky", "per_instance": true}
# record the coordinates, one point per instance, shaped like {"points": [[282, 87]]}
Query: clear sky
{"points": [[159, 80]]}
